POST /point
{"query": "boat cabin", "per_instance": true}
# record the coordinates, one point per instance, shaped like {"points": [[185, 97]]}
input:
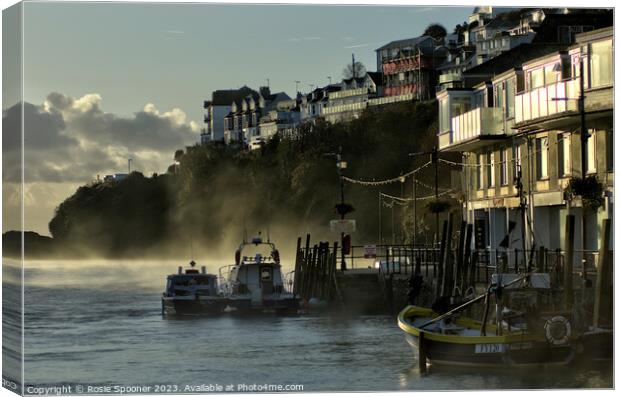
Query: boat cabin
{"points": [[192, 282]]}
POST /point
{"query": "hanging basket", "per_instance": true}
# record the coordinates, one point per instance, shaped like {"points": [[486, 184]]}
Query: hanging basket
{"points": [[589, 189], [437, 206], [344, 208]]}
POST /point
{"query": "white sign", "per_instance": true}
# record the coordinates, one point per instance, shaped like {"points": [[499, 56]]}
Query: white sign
{"points": [[370, 251], [342, 225], [490, 348]]}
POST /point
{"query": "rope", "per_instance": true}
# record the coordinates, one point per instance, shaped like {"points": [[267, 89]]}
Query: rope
{"points": [[385, 181]]}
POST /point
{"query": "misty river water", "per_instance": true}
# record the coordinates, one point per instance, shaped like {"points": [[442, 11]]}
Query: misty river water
{"points": [[99, 323]]}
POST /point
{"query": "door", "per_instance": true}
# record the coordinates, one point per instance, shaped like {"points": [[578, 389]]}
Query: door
{"points": [[266, 279]]}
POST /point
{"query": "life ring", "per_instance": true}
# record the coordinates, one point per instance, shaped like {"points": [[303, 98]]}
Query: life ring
{"points": [[557, 330]]}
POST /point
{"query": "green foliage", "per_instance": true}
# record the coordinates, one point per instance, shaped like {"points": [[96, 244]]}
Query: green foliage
{"points": [[590, 189]]}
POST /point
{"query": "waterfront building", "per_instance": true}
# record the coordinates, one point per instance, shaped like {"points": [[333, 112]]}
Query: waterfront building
{"points": [[352, 98], [216, 110], [409, 66], [525, 120]]}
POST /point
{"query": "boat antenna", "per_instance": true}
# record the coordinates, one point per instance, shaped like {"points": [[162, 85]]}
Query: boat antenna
{"points": [[268, 237]]}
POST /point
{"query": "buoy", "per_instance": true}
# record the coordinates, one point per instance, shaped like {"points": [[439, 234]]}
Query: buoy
{"points": [[557, 330]]}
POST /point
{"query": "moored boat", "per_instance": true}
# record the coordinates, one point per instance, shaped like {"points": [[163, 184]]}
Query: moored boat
{"points": [[461, 341], [192, 292], [254, 284]]}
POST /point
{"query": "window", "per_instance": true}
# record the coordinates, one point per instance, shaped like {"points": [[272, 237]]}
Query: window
{"points": [[591, 151], [510, 98], [479, 174], [490, 169], [609, 146], [444, 115], [537, 78], [516, 157], [601, 63], [564, 155], [551, 75], [499, 95], [542, 155], [503, 158]]}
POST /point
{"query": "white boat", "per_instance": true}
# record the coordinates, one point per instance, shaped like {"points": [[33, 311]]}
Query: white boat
{"points": [[192, 292], [254, 284]]}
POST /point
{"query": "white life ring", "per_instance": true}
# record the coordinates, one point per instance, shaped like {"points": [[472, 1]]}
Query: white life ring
{"points": [[557, 330]]}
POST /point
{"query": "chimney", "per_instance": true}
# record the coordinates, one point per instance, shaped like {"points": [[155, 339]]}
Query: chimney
{"points": [[264, 91]]}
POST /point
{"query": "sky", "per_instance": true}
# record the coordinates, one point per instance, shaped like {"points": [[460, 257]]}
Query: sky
{"points": [[104, 82]]}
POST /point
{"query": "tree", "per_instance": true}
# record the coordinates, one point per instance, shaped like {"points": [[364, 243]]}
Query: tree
{"points": [[354, 70], [435, 31]]}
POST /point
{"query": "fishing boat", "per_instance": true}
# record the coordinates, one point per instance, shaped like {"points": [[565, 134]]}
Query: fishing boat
{"points": [[516, 338], [192, 292], [254, 284]]}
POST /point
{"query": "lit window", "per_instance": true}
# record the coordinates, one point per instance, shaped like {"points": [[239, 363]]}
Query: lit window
{"points": [[479, 174], [503, 158], [542, 155], [490, 169], [591, 152], [564, 167]]}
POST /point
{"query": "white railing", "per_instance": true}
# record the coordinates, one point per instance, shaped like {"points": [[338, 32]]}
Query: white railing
{"points": [[476, 122], [547, 101]]}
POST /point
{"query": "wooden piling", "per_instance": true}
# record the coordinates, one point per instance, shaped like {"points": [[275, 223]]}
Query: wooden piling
{"points": [[467, 258], [297, 275], [603, 294], [448, 263], [568, 261], [422, 353], [439, 263], [459, 256]]}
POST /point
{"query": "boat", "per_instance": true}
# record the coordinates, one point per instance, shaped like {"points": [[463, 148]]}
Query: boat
{"points": [[192, 292], [516, 338], [254, 283]]}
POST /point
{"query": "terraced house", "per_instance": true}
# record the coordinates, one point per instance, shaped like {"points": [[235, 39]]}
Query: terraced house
{"points": [[523, 126]]}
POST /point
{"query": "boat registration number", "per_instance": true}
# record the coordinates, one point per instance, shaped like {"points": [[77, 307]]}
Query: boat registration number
{"points": [[490, 348]]}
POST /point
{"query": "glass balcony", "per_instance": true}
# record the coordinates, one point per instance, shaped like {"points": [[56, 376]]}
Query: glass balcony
{"points": [[547, 101], [472, 125]]}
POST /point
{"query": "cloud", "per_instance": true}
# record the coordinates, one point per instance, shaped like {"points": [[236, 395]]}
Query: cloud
{"points": [[359, 45], [298, 39], [73, 139]]}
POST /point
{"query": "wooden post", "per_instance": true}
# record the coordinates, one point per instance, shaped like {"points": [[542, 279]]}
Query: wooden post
{"points": [[568, 261], [603, 297], [298, 259], [459, 256], [422, 353], [467, 257], [448, 263], [439, 263]]}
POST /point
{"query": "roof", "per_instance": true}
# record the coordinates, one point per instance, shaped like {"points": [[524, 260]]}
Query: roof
{"points": [[415, 41], [514, 58], [226, 97]]}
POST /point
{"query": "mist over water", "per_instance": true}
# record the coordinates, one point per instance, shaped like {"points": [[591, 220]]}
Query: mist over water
{"points": [[99, 322]]}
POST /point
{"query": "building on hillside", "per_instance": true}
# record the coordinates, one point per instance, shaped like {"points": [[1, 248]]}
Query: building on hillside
{"points": [[352, 99], [409, 66], [281, 117], [216, 109], [311, 105], [525, 120], [241, 124]]}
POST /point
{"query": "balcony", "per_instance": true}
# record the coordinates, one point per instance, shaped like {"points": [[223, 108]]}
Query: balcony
{"points": [[547, 101], [470, 128], [449, 78]]}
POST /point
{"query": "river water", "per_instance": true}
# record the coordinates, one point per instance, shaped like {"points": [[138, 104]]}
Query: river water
{"points": [[99, 323]]}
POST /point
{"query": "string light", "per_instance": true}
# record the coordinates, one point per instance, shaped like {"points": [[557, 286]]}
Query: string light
{"points": [[399, 178]]}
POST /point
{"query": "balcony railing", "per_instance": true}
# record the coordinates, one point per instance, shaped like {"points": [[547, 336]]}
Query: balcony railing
{"points": [[473, 124], [449, 77], [547, 101]]}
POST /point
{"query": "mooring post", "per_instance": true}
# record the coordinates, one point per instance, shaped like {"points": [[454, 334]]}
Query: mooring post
{"points": [[604, 291], [448, 263], [459, 256], [298, 259], [422, 353], [439, 263], [568, 261], [467, 256]]}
